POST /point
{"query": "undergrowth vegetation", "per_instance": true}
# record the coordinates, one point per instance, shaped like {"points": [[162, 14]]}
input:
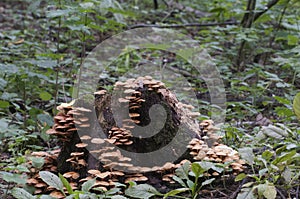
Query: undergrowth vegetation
{"points": [[256, 50]]}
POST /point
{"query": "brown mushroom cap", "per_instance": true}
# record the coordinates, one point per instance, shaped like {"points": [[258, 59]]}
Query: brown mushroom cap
{"points": [[100, 92], [101, 183], [57, 194], [76, 154], [103, 175], [81, 145], [32, 181], [85, 137], [134, 114], [94, 171], [71, 174], [97, 141], [136, 178]]}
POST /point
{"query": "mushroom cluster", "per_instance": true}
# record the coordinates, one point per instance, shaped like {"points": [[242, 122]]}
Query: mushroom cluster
{"points": [[77, 160], [50, 162], [220, 153], [67, 119], [208, 131], [120, 136], [104, 180], [132, 94]]}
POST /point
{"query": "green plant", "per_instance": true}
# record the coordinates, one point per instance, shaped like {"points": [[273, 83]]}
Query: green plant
{"points": [[270, 169], [189, 176], [61, 184]]}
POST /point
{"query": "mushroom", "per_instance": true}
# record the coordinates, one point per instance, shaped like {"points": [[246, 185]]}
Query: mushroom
{"points": [[72, 175], [81, 145], [136, 178], [168, 178], [57, 194]]}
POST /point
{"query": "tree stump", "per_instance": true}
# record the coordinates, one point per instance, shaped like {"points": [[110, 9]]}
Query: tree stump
{"points": [[140, 116]]}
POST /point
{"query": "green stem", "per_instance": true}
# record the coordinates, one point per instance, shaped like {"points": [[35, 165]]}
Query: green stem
{"points": [[83, 50], [58, 60]]}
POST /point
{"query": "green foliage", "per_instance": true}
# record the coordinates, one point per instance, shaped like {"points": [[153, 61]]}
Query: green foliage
{"points": [[272, 166], [188, 176], [142, 191], [52, 180], [59, 183], [21, 193], [296, 105], [43, 44]]}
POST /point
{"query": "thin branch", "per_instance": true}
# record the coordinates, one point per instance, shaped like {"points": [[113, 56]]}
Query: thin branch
{"points": [[280, 193], [268, 7], [248, 18], [183, 25]]}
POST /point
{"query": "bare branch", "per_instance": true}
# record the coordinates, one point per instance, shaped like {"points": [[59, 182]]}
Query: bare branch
{"points": [[182, 25], [249, 15], [268, 7]]}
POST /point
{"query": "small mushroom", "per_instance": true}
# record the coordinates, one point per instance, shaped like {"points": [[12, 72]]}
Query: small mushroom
{"points": [[81, 145], [71, 174]]}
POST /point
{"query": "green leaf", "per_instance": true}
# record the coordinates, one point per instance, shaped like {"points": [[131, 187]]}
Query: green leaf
{"points": [[282, 100], [284, 157], [179, 180], [51, 180], [21, 193], [4, 104], [57, 13], [261, 188], [3, 124], [143, 191], [267, 155], [118, 197], [45, 119], [206, 182], [296, 105], [287, 175], [45, 96], [262, 172], [197, 169], [292, 40], [247, 154], [37, 162], [22, 168], [274, 131], [47, 197], [240, 177], [191, 184], [13, 177], [270, 192], [87, 5], [65, 183], [246, 193], [210, 165], [3, 83], [183, 171], [88, 185], [175, 192], [113, 191]]}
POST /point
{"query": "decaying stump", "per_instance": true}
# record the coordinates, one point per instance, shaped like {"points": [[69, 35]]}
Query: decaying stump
{"points": [[99, 138], [124, 117]]}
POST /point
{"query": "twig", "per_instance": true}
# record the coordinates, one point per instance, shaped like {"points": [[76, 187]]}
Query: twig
{"points": [[248, 18], [281, 194], [234, 194], [268, 7], [182, 25], [276, 32], [222, 193], [246, 22]]}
